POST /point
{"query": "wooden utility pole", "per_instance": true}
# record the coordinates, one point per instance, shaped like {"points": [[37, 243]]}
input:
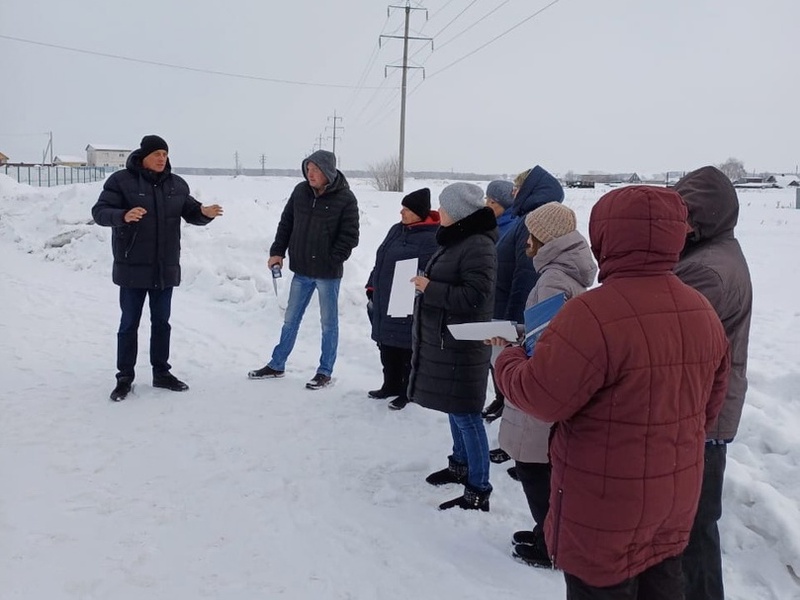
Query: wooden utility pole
{"points": [[405, 37]]}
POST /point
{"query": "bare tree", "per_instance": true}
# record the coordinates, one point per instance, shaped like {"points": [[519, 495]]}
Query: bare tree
{"points": [[733, 168], [386, 174]]}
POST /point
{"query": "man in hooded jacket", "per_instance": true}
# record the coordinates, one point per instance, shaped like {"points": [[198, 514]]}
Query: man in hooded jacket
{"points": [[319, 228], [712, 262]]}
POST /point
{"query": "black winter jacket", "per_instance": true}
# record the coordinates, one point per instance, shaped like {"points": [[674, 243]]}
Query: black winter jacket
{"points": [[515, 273], [450, 375], [146, 253], [402, 242], [319, 232]]}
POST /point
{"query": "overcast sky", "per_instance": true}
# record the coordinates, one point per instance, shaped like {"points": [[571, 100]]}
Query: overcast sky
{"points": [[610, 85]]}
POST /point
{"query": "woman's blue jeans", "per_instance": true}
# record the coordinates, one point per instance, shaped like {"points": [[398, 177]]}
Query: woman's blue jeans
{"points": [[471, 448], [299, 296]]}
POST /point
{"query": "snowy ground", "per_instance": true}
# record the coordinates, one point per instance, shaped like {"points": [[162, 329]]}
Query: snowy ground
{"points": [[244, 489]]}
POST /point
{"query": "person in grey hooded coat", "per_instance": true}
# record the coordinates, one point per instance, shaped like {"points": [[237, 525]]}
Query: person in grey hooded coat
{"points": [[713, 263]]}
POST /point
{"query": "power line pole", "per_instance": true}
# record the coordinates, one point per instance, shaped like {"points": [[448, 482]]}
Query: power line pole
{"points": [[318, 145], [263, 164], [335, 127], [236, 158], [48, 147], [407, 8]]}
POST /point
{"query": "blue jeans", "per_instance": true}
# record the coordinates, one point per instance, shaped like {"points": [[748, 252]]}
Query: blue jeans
{"points": [[131, 301], [471, 448], [299, 296]]}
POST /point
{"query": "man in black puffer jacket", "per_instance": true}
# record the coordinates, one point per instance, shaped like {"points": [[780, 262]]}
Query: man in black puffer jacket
{"points": [[144, 205], [319, 228]]}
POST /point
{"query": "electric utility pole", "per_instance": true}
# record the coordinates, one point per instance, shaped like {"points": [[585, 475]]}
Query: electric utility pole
{"points": [[263, 164], [335, 127], [50, 148], [405, 37], [236, 159]]}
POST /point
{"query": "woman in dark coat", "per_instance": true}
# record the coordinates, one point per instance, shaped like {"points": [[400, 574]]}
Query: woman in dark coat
{"points": [[413, 237], [449, 375]]}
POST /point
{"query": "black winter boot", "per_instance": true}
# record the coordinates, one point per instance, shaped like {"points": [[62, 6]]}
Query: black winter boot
{"points": [[123, 388], [454, 473], [530, 548], [471, 500]]}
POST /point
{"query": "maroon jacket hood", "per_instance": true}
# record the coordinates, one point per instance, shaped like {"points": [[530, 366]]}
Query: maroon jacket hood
{"points": [[637, 230]]}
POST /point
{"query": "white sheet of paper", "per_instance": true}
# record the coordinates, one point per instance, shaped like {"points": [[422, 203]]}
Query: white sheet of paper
{"points": [[484, 330], [401, 297]]}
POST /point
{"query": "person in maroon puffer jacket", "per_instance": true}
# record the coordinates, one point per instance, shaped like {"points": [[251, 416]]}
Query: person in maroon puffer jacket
{"points": [[632, 373]]}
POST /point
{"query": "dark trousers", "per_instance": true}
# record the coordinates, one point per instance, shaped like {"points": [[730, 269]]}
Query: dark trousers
{"points": [[663, 581], [702, 559], [396, 368], [535, 480], [131, 301]]}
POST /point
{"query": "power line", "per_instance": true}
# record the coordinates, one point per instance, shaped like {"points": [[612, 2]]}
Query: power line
{"points": [[494, 39], [180, 67], [480, 20]]}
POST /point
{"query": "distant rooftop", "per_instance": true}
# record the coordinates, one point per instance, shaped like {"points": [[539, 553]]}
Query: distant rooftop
{"points": [[112, 147]]}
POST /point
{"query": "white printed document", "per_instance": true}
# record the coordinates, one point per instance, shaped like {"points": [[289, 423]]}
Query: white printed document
{"points": [[401, 297], [484, 330]]}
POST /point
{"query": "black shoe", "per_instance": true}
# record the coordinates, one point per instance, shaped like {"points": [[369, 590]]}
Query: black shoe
{"points": [[398, 403], [494, 410], [471, 500], [533, 555], [454, 473], [318, 382], [525, 537], [124, 385], [512, 472], [265, 372], [382, 394], [498, 455], [168, 381]]}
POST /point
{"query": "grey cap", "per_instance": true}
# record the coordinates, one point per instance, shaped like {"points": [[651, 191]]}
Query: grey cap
{"points": [[499, 190], [461, 199]]}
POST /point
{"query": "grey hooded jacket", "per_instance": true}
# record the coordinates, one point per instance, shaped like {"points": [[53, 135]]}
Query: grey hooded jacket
{"points": [[565, 265], [713, 263]]}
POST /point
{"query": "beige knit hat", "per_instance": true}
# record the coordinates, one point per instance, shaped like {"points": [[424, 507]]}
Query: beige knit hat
{"points": [[550, 221]]}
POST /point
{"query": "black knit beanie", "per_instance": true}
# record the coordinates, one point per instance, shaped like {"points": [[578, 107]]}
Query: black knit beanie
{"points": [[418, 202], [151, 143]]}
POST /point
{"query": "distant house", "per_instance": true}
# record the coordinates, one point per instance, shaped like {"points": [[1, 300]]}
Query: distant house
{"points": [[591, 179], [104, 155], [789, 180], [768, 181], [65, 160], [3, 159]]}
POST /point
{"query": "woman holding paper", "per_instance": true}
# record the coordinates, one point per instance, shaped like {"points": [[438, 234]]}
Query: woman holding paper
{"points": [[414, 237], [564, 265], [447, 374]]}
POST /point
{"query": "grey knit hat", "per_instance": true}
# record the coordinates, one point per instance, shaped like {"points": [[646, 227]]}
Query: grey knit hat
{"points": [[461, 199], [325, 161], [499, 190]]}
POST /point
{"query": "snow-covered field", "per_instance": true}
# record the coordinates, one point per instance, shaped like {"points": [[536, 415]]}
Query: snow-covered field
{"points": [[244, 489]]}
